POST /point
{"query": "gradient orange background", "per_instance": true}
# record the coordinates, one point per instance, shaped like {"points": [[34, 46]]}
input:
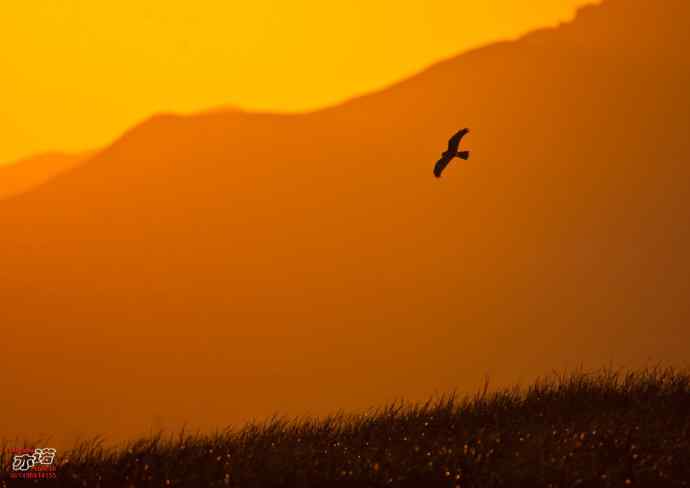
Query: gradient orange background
{"points": [[76, 73], [205, 270]]}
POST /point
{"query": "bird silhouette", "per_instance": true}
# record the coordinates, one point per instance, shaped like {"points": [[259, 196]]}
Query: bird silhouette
{"points": [[451, 152]]}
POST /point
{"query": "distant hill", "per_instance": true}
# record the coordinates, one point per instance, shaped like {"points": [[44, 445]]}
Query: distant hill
{"points": [[233, 264], [24, 175]]}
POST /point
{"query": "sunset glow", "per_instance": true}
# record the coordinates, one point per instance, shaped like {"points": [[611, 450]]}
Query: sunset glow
{"points": [[77, 73], [249, 209]]}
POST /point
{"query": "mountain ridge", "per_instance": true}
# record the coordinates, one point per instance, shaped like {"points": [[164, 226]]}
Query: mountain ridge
{"points": [[245, 248], [28, 173]]}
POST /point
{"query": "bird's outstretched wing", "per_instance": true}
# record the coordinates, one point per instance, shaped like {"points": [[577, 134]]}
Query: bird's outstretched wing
{"points": [[454, 142], [441, 165]]}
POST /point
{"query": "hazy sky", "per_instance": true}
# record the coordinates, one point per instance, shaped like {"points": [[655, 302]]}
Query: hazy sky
{"points": [[76, 73]]}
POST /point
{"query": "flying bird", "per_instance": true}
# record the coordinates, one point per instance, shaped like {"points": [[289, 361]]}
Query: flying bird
{"points": [[452, 152]]}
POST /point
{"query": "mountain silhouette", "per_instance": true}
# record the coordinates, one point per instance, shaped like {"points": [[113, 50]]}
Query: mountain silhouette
{"points": [[21, 176], [227, 265]]}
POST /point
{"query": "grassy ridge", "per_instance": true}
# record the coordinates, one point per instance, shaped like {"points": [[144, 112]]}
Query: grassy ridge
{"points": [[603, 429]]}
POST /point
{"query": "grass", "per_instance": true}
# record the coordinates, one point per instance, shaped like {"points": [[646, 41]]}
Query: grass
{"points": [[608, 429]]}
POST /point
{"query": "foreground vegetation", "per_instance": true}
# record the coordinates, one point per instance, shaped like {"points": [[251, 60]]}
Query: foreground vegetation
{"points": [[605, 429]]}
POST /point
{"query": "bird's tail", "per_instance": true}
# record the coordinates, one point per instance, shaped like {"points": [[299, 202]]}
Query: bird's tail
{"points": [[463, 155]]}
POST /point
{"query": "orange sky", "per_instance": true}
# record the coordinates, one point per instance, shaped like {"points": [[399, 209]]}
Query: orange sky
{"points": [[76, 73]]}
